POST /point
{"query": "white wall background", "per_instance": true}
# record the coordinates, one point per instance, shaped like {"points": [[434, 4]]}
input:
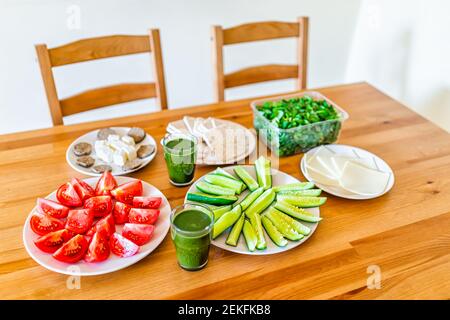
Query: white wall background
{"points": [[400, 46]]}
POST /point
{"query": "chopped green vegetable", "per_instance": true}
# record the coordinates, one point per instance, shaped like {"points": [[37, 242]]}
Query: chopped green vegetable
{"points": [[313, 122]]}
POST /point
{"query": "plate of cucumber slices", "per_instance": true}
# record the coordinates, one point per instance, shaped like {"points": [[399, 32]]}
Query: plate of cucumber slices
{"points": [[258, 210]]}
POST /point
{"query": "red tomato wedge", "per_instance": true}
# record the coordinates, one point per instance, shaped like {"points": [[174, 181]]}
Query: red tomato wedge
{"points": [[73, 250], [84, 190], [67, 195], [79, 221], [105, 226], [140, 234], [145, 216], [147, 202], [42, 224], [100, 205], [120, 213], [122, 247], [105, 184], [52, 208], [98, 249], [127, 191], [53, 241]]}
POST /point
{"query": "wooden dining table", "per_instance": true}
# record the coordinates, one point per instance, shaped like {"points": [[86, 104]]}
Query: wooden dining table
{"points": [[396, 246]]}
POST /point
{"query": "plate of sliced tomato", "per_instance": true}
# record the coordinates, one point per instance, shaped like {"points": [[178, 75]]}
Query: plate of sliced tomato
{"points": [[96, 225]]}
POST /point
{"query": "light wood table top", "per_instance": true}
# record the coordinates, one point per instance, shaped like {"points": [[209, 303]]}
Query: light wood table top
{"points": [[406, 233]]}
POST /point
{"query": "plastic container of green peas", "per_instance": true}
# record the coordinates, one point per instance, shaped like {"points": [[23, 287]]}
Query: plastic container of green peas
{"points": [[295, 123]]}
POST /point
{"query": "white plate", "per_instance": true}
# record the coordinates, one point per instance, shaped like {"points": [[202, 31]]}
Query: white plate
{"points": [[208, 159], [278, 178], [91, 137], [344, 150], [113, 263]]}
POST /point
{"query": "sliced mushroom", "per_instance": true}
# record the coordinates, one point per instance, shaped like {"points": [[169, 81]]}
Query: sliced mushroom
{"points": [[145, 150], [82, 149], [85, 161], [103, 134], [101, 168], [138, 134]]}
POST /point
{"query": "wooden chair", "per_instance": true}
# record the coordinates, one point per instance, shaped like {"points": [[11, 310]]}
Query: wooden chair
{"points": [[99, 48], [256, 32]]}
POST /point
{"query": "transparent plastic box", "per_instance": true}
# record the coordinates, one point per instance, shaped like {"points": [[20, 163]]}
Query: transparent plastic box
{"points": [[286, 142]]}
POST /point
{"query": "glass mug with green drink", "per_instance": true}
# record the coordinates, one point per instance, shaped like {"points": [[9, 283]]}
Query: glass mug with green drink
{"points": [[191, 227], [180, 153]]}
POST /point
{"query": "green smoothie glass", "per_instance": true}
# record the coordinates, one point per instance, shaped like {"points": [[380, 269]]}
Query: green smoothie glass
{"points": [[180, 153], [191, 226]]}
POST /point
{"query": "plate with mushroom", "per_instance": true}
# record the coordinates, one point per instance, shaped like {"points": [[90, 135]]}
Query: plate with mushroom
{"points": [[121, 150]]}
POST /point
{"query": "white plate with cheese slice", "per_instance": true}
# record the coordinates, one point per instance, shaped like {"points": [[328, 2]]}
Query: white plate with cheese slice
{"points": [[347, 172], [117, 168]]}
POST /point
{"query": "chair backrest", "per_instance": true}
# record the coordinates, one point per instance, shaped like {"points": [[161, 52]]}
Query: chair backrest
{"points": [[99, 48], [256, 32]]}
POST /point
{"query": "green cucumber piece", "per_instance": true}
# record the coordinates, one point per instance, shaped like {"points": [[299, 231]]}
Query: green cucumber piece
{"points": [[273, 232], [255, 220], [284, 227], [222, 172], [224, 182], [218, 212], [304, 202], [261, 203], [247, 178], [250, 198], [210, 199], [262, 167], [235, 232], [295, 212], [300, 228], [302, 193], [226, 221], [213, 189], [294, 186], [249, 235]]}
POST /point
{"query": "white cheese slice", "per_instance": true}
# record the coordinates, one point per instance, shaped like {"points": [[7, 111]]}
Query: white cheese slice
{"points": [[338, 163], [119, 157], [122, 146], [103, 151], [359, 179], [319, 177], [320, 162], [128, 140]]}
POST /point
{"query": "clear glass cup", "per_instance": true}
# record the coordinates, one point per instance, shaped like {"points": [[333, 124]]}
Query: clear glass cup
{"points": [[191, 228], [180, 153]]}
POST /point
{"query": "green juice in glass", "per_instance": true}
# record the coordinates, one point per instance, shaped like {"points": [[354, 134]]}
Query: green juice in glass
{"points": [[180, 156], [191, 234]]}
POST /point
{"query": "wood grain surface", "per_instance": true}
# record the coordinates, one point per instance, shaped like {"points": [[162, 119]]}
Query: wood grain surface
{"points": [[405, 233]]}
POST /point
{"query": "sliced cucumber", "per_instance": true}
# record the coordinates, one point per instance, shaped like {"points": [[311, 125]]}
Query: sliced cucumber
{"points": [[218, 212], [304, 202], [225, 182], [295, 212], [262, 167], [261, 203], [249, 235], [222, 172], [255, 220], [226, 221], [294, 186], [235, 232], [247, 178], [249, 198], [300, 228], [210, 199], [285, 228], [273, 232], [213, 189], [302, 193]]}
